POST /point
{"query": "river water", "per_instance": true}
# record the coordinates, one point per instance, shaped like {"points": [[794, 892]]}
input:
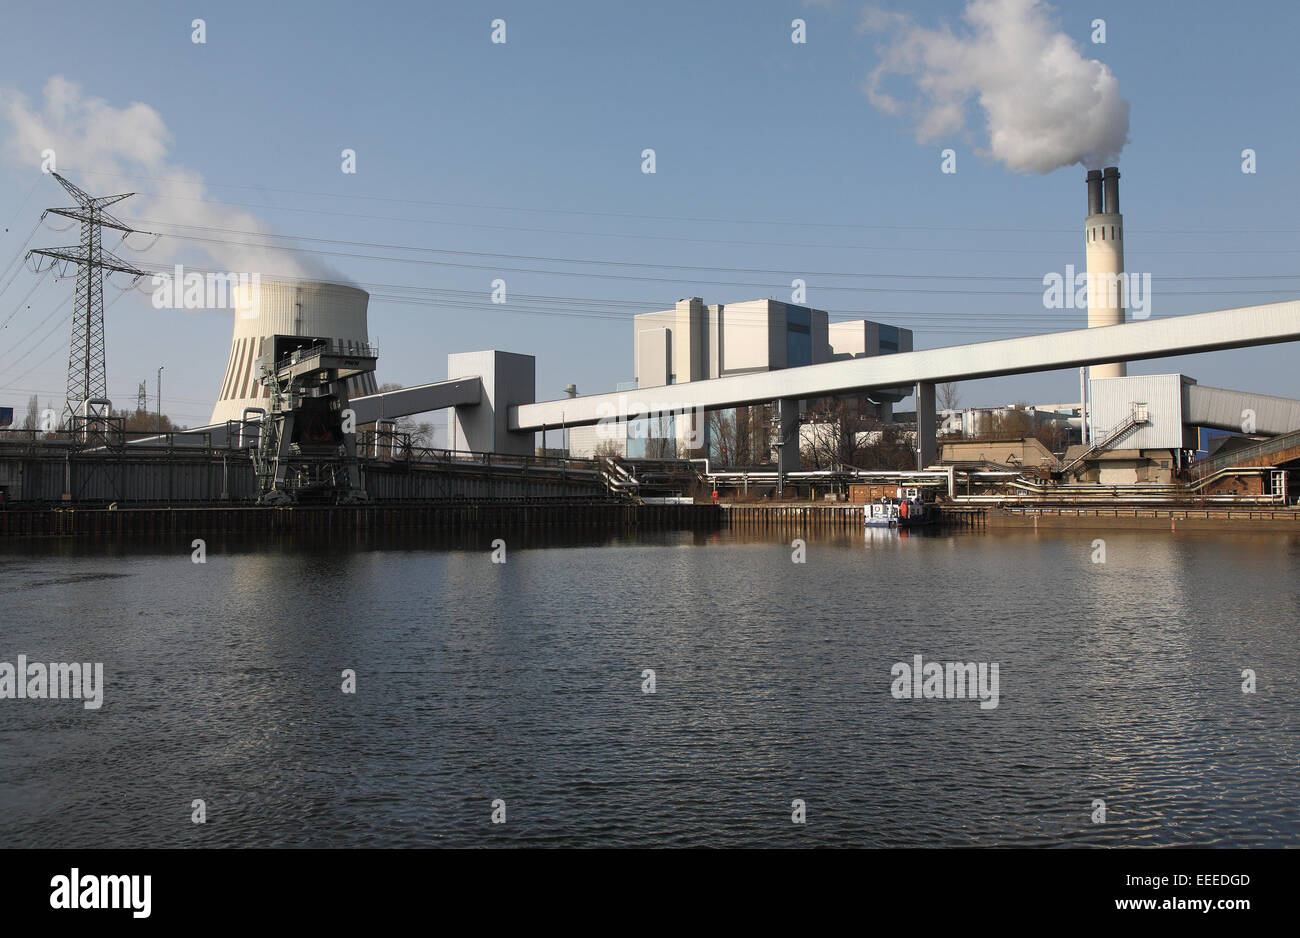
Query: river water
{"points": [[519, 689]]}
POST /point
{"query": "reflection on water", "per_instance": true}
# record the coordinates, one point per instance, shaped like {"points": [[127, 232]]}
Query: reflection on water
{"points": [[522, 681]]}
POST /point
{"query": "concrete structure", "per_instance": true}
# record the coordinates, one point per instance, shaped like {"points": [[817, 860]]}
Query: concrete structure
{"points": [[1201, 332], [507, 378], [326, 310], [1154, 338], [458, 392], [1104, 242], [1124, 466], [1028, 453]]}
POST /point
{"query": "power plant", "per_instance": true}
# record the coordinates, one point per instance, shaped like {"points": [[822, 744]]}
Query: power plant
{"points": [[1104, 240], [328, 311], [299, 418]]}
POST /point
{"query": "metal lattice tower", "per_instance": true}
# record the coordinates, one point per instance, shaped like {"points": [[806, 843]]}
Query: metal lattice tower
{"points": [[87, 378]]}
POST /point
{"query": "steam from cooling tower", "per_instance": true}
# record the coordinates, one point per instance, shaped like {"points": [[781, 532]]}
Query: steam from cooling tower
{"points": [[103, 148], [1044, 104]]}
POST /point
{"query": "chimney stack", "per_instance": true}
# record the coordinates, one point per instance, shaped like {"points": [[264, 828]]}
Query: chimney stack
{"points": [[1111, 182], [1094, 192], [1104, 246]]}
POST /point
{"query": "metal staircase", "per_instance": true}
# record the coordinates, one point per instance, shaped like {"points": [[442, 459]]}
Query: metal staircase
{"points": [[1137, 417]]}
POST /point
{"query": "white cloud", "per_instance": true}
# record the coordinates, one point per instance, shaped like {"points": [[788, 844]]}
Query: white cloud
{"points": [[94, 142], [1043, 103]]}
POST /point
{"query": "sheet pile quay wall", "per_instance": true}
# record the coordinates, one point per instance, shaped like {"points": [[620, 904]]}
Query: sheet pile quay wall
{"points": [[43, 476]]}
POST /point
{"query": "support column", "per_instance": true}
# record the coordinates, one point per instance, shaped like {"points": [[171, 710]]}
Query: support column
{"points": [[927, 449], [787, 447]]}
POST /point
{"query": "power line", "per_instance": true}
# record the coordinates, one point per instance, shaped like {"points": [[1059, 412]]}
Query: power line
{"points": [[384, 292], [18, 344], [614, 263], [499, 268], [670, 218], [16, 263], [58, 348], [39, 280]]}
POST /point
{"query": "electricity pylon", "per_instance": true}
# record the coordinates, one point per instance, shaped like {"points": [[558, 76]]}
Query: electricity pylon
{"points": [[87, 378]]}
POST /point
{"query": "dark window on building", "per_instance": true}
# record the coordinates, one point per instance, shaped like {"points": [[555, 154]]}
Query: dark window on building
{"points": [[798, 336]]}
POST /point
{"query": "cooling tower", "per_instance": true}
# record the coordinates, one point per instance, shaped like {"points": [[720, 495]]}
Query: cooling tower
{"points": [[325, 310], [1104, 237]]}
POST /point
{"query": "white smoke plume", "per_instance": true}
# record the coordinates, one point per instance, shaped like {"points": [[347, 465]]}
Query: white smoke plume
{"points": [[1044, 104], [104, 150]]}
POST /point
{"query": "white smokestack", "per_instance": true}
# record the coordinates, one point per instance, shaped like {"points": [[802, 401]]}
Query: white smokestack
{"points": [[1044, 104], [1104, 241]]}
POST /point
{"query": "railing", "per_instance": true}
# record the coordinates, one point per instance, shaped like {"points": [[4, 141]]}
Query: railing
{"points": [[111, 439], [329, 347], [1247, 453], [397, 446]]}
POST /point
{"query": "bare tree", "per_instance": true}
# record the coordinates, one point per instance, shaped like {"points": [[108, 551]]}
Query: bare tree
{"points": [[947, 396], [890, 451], [722, 437], [420, 432], [834, 428], [33, 421], [660, 447], [141, 421], [1054, 434], [738, 437]]}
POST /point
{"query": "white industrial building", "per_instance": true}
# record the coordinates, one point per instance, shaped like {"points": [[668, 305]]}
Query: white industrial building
{"points": [[695, 342]]}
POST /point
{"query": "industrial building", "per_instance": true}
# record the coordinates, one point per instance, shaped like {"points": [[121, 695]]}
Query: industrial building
{"points": [[697, 342], [694, 342]]}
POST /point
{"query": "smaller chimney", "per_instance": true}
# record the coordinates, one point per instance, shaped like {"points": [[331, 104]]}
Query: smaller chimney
{"points": [[1094, 192], [1111, 184]]}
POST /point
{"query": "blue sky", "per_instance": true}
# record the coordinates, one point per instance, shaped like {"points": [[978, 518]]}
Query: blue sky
{"points": [[524, 158]]}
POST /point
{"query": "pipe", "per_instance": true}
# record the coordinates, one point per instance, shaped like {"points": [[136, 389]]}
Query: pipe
{"points": [[1094, 191], [392, 435], [1110, 182], [243, 420]]}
